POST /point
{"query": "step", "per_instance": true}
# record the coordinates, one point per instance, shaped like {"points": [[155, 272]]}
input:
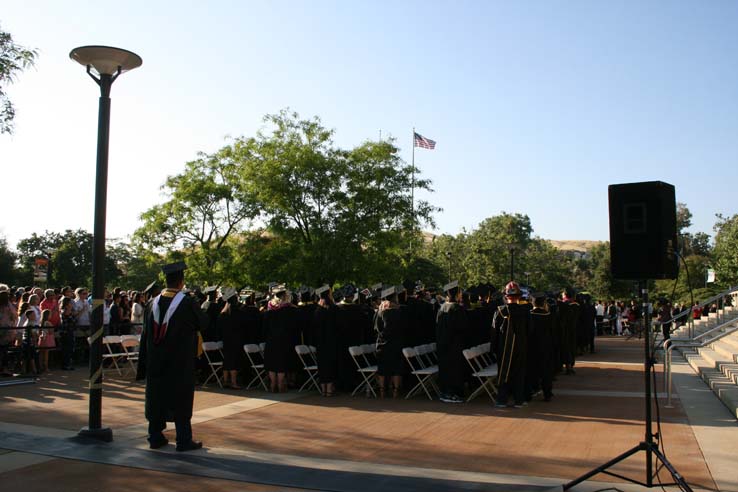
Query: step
{"points": [[724, 387], [730, 371], [731, 340], [712, 357], [728, 352]]}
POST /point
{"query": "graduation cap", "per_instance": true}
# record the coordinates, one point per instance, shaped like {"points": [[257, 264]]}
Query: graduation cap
{"points": [[178, 266], [389, 292], [150, 287], [377, 286], [210, 289], [451, 285], [227, 292], [322, 289], [278, 289]]}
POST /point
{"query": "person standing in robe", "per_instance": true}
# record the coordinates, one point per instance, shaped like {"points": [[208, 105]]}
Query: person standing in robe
{"points": [[390, 325], [568, 309], [541, 348], [167, 361], [324, 318], [351, 327], [280, 321], [512, 324], [452, 327], [231, 325]]}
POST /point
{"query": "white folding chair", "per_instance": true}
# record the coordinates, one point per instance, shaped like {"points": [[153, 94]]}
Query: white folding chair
{"points": [[130, 345], [485, 373], [262, 346], [368, 373], [111, 343], [310, 365], [369, 353], [216, 366], [424, 374], [256, 360]]}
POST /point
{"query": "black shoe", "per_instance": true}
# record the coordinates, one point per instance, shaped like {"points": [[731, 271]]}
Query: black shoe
{"points": [[189, 446], [159, 443]]}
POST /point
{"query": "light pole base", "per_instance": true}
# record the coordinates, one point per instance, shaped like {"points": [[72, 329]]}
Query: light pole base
{"points": [[104, 434]]}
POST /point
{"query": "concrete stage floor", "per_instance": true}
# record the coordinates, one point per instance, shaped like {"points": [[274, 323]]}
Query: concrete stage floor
{"points": [[257, 441]]}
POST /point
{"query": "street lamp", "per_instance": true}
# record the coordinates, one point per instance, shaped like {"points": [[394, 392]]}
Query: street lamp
{"points": [[104, 64], [512, 261]]}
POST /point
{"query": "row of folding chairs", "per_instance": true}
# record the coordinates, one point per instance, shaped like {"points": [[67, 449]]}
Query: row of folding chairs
{"points": [[480, 362], [254, 353], [121, 349], [423, 362]]}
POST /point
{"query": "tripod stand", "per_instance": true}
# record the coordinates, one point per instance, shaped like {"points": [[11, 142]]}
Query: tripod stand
{"points": [[650, 446]]}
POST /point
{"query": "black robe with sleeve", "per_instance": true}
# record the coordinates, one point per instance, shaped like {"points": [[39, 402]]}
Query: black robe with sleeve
{"points": [[169, 366], [568, 322], [512, 323], [452, 327], [325, 324], [280, 326], [391, 327]]}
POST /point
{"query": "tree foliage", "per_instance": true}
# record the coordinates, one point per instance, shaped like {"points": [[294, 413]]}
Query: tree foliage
{"points": [[725, 252], [327, 214], [14, 58]]}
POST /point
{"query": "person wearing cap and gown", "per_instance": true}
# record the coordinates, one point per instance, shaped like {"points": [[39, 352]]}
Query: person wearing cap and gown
{"points": [[231, 325], [280, 321], [568, 309], [351, 327], [324, 323], [512, 324], [452, 326], [390, 324], [167, 356], [540, 348]]}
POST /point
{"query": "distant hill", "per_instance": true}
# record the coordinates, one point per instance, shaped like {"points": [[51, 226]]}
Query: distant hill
{"points": [[574, 244]]}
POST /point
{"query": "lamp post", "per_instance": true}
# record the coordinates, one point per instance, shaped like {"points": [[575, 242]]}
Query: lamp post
{"points": [[104, 64], [448, 255]]}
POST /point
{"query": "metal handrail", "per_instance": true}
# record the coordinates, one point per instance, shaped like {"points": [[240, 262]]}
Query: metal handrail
{"points": [[670, 344]]}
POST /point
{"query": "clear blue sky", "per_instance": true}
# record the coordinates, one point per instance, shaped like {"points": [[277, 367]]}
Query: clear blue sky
{"points": [[536, 106]]}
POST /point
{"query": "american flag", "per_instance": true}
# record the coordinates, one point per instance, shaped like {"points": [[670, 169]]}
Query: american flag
{"points": [[426, 143]]}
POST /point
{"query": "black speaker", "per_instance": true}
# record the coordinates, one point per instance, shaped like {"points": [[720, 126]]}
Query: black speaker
{"points": [[643, 235]]}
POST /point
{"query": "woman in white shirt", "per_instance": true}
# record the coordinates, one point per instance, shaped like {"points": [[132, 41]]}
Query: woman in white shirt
{"points": [[137, 313]]}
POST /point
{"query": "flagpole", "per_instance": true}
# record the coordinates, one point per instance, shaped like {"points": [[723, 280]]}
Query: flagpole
{"points": [[412, 188]]}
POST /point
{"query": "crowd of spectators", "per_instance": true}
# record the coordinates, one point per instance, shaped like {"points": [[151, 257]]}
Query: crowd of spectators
{"points": [[35, 321]]}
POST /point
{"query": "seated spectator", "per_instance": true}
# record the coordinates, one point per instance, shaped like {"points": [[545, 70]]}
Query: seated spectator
{"points": [[46, 340]]}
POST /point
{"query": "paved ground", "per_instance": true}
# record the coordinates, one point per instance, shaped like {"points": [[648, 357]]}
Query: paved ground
{"points": [[343, 443]]}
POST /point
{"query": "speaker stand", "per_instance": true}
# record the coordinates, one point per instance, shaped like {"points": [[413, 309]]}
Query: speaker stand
{"points": [[649, 445]]}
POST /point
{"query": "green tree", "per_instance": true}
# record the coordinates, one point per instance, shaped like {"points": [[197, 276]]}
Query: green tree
{"points": [[725, 252], [206, 205], [14, 58], [8, 271], [70, 253]]}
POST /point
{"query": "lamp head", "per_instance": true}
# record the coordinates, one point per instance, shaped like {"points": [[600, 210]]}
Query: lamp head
{"points": [[106, 60]]}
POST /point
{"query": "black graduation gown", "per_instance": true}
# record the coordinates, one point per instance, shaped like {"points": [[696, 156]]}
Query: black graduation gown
{"points": [[568, 321], [232, 328], [541, 351], [391, 325], [169, 367], [252, 325], [307, 326], [512, 324], [452, 327], [352, 323], [280, 326], [325, 323]]}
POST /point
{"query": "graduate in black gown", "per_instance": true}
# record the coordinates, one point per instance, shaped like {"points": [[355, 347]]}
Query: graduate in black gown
{"points": [[231, 326], [352, 323], [324, 321], [167, 361], [452, 326], [512, 324], [280, 321], [540, 348], [568, 309], [390, 325]]}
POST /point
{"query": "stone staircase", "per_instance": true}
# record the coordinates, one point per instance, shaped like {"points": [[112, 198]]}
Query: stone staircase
{"points": [[716, 362]]}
